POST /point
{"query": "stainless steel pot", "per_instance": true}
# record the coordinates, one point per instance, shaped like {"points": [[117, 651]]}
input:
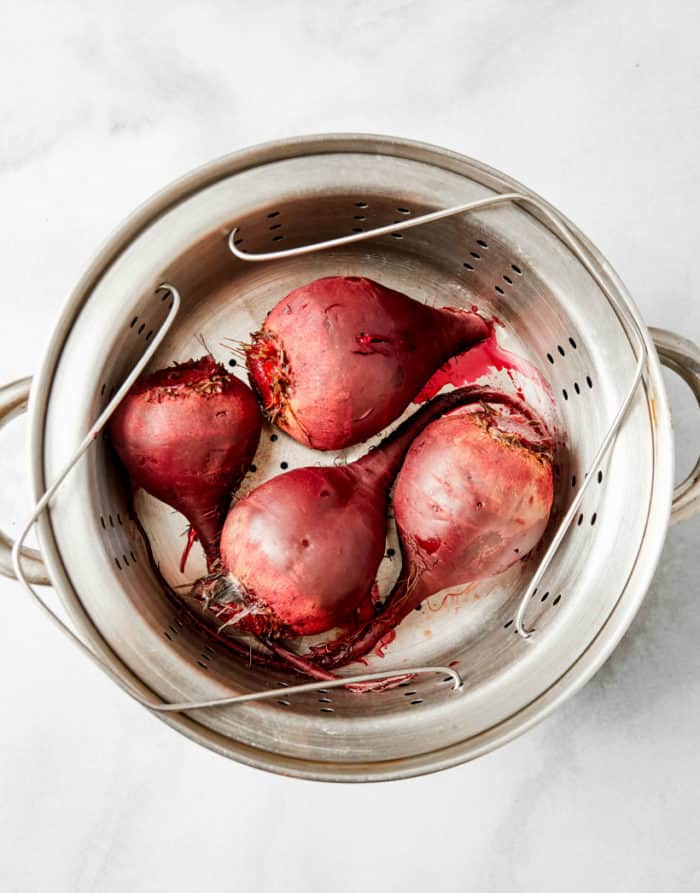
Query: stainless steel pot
{"points": [[509, 260]]}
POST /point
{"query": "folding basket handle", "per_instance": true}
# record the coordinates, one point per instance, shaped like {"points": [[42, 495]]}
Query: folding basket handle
{"points": [[683, 357], [13, 401]]}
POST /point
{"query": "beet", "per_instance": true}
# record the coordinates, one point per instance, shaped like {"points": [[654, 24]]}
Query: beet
{"points": [[473, 497], [339, 359], [186, 435]]}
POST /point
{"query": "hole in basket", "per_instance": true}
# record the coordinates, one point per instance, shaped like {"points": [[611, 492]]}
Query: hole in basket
{"points": [[499, 290], [550, 358], [273, 437], [573, 480], [253, 468], [327, 710], [516, 269], [407, 694], [286, 685], [545, 597], [580, 521], [277, 238], [149, 335], [397, 235], [390, 553], [474, 254], [508, 279], [448, 679], [360, 204], [141, 328], [564, 394], [102, 390], [273, 214], [403, 210], [600, 477], [119, 519], [325, 701], [283, 703], [238, 241], [561, 350], [125, 560], [572, 342], [557, 599], [594, 518], [577, 388], [276, 226], [116, 561], [357, 229], [482, 243], [506, 625], [133, 557], [232, 362], [588, 381], [467, 266], [321, 691], [167, 635], [133, 322], [111, 521], [359, 217], [102, 522], [417, 701], [400, 685], [202, 665], [284, 465]]}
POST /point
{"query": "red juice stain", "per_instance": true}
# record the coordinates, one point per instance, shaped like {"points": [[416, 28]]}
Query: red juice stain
{"points": [[480, 360]]}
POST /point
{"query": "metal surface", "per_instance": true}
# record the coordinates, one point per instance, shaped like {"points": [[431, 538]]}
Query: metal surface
{"points": [[508, 261], [13, 400], [683, 357]]}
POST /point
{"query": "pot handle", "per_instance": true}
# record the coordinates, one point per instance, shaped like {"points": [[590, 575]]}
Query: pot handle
{"points": [[683, 357], [13, 401]]}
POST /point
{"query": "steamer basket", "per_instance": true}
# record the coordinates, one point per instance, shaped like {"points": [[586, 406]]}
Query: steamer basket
{"points": [[505, 260]]}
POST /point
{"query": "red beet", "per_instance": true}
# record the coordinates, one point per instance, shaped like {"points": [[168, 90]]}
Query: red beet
{"points": [[472, 497], [301, 551], [339, 359], [187, 435]]}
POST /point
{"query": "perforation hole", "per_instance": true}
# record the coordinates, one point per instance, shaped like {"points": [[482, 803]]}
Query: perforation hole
{"points": [[325, 701], [580, 521], [550, 358], [111, 521], [557, 599], [102, 390], [397, 235], [508, 624], [359, 217], [475, 255], [327, 710], [589, 381], [133, 322], [400, 685], [357, 229], [407, 694], [133, 557], [283, 703], [238, 241], [125, 560], [116, 561], [482, 243], [508, 279], [276, 226], [545, 597], [572, 342], [141, 328], [600, 476], [403, 210], [594, 518], [232, 362], [467, 266], [102, 522], [499, 290], [564, 394], [202, 665], [516, 269], [277, 238], [417, 701], [167, 635], [573, 480], [561, 350], [361, 205], [577, 388], [448, 679], [273, 214]]}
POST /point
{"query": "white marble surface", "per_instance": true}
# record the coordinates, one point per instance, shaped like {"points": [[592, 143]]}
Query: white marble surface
{"points": [[596, 106]]}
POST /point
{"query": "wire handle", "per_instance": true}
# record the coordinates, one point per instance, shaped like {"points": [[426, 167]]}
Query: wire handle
{"points": [[18, 555], [580, 251]]}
